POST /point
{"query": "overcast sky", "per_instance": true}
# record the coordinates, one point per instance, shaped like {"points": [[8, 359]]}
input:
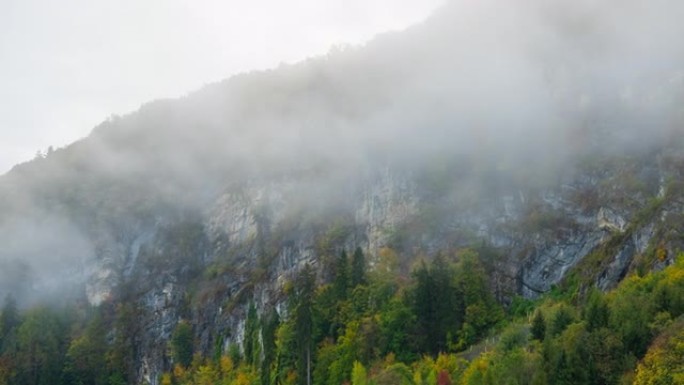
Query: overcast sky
{"points": [[67, 65]]}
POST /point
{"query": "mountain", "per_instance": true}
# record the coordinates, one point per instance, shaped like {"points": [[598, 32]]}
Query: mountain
{"points": [[547, 136]]}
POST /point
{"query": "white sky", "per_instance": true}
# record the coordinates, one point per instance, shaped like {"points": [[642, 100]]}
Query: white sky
{"points": [[67, 65]]}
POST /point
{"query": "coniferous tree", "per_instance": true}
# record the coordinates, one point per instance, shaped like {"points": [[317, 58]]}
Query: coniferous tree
{"points": [[358, 268], [269, 327], [303, 322], [326, 314], [562, 319], [181, 343], [425, 310], [40, 347], [596, 313], [538, 326], [448, 311], [251, 338], [341, 282]]}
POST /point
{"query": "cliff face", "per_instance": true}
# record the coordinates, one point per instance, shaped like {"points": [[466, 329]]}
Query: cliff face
{"points": [[595, 225], [205, 263]]}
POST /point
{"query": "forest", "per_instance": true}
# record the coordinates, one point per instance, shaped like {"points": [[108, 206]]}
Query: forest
{"points": [[360, 325]]}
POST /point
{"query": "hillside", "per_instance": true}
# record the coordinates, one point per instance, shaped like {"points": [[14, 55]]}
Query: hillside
{"points": [[534, 150]]}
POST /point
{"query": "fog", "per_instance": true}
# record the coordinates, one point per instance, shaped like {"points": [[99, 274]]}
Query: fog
{"points": [[525, 86], [477, 76], [68, 65], [42, 258]]}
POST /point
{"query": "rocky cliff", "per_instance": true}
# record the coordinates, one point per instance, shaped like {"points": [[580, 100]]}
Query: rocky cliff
{"points": [[595, 225], [520, 139]]}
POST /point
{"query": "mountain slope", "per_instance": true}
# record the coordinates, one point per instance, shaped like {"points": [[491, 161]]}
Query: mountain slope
{"points": [[548, 135]]}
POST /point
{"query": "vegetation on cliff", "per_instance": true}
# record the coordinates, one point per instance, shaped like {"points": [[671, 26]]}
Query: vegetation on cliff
{"points": [[439, 325]]}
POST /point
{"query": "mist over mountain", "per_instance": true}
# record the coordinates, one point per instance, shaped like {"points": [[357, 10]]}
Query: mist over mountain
{"points": [[541, 129], [520, 90]]}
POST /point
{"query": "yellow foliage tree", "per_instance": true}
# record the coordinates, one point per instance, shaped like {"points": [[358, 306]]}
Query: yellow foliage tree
{"points": [[664, 362]]}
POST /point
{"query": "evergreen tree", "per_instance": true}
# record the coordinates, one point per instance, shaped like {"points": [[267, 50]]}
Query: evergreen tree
{"points": [[435, 305], [341, 281], [358, 268], [303, 322], [448, 307], [424, 309], [326, 314], [538, 326], [562, 319], [269, 327], [181, 344], [251, 341], [40, 348], [596, 313]]}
